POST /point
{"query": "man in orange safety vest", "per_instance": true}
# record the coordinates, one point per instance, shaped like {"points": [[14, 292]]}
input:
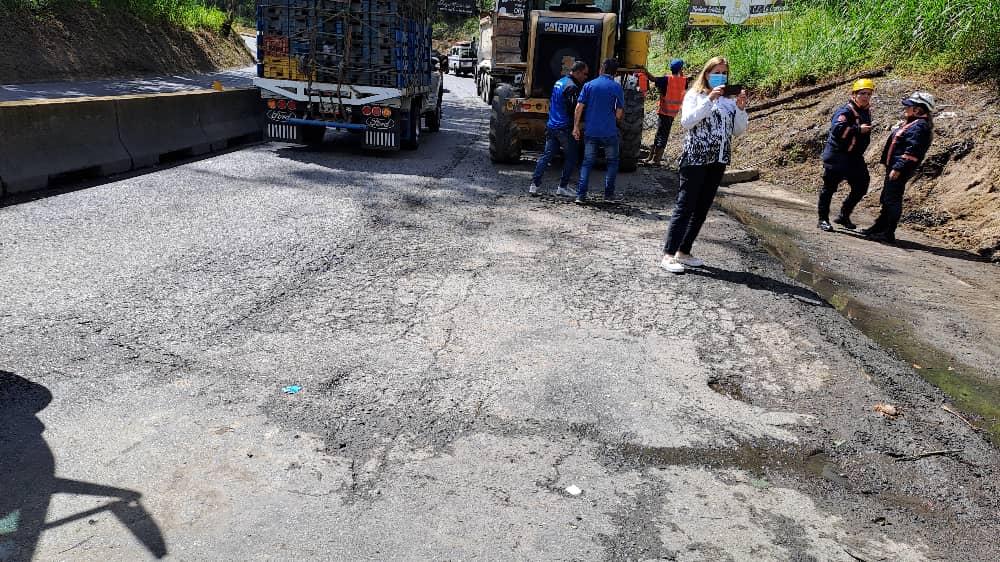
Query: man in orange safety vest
{"points": [[671, 96]]}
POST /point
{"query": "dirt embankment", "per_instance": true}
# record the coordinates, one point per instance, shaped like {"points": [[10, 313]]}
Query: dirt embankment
{"points": [[83, 44], [956, 193]]}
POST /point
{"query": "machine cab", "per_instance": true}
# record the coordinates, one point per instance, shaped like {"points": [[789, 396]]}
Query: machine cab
{"points": [[564, 33]]}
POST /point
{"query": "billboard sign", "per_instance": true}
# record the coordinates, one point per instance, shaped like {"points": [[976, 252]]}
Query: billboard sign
{"points": [[461, 7], [512, 7], [737, 12]]}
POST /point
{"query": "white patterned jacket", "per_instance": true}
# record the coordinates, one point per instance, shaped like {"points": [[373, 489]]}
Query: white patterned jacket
{"points": [[710, 126]]}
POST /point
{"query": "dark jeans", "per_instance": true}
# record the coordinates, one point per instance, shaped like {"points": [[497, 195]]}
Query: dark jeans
{"points": [[555, 140], [698, 185], [663, 131], [892, 205], [610, 145], [857, 177]]}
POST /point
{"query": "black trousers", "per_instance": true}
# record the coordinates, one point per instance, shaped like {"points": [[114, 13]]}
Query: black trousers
{"points": [[663, 131], [892, 205], [856, 174], [698, 186]]}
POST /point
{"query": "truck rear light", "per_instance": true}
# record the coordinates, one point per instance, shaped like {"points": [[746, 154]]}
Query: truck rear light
{"points": [[271, 104], [526, 106], [366, 111], [377, 111], [291, 104], [282, 104], [386, 112]]}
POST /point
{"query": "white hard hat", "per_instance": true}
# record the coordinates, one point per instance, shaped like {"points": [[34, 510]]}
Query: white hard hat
{"points": [[921, 98]]}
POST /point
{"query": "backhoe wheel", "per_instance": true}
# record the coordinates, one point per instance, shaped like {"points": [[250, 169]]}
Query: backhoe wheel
{"points": [[630, 134], [505, 146]]}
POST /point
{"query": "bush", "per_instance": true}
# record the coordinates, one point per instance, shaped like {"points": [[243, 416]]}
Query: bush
{"points": [[835, 37], [186, 13]]}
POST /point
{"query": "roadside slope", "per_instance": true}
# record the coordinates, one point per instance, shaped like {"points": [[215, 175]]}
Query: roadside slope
{"points": [[956, 193], [83, 44]]}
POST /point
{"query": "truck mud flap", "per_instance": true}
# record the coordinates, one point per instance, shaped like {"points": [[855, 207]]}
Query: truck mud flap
{"points": [[383, 134], [281, 132]]}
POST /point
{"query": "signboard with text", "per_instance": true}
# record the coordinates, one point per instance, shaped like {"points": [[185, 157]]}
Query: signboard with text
{"points": [[461, 7], [738, 12]]}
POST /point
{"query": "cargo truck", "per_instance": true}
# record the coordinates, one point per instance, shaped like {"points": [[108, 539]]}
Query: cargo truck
{"points": [[358, 65]]}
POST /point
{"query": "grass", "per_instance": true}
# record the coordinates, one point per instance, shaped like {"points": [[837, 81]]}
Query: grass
{"points": [[190, 14], [824, 38]]}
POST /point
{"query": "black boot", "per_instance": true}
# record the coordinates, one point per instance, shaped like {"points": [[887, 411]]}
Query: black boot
{"points": [[845, 222], [824, 225]]}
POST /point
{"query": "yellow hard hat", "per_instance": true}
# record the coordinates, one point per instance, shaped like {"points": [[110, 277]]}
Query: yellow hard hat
{"points": [[863, 84]]}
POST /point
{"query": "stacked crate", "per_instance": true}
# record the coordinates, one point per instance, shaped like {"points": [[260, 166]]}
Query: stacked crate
{"points": [[362, 42]]}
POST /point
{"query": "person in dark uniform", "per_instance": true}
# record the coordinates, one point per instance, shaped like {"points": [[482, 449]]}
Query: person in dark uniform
{"points": [[559, 129], [904, 151], [844, 155]]}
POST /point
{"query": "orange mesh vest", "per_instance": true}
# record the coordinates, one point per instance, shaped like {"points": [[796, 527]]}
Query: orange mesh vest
{"points": [[670, 102]]}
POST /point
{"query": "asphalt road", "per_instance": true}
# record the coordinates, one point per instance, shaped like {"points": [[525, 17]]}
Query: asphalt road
{"points": [[484, 375]]}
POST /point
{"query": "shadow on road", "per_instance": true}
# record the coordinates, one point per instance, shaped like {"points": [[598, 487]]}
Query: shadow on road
{"points": [[759, 282], [27, 473], [954, 253]]}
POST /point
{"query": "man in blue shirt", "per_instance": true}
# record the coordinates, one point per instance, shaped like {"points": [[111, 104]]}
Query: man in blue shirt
{"points": [[600, 108], [558, 130]]}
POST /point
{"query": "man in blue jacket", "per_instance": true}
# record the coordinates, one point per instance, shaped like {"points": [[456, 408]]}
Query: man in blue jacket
{"points": [[558, 130], [844, 155], [904, 151], [595, 121]]}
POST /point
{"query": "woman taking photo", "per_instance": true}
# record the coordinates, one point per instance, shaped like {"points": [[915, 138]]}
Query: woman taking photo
{"points": [[711, 119]]}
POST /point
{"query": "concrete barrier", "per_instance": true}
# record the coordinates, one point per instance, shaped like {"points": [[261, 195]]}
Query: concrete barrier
{"points": [[155, 125], [230, 115], [103, 136], [46, 138]]}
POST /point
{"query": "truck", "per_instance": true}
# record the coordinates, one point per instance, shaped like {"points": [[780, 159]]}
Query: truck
{"points": [[363, 66], [533, 43], [462, 58]]}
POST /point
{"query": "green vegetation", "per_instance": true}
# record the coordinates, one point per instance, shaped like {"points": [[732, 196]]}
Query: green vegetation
{"points": [[186, 13], [823, 38], [451, 30]]}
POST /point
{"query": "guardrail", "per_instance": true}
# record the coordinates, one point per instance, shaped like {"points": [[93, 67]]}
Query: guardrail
{"points": [[41, 140]]}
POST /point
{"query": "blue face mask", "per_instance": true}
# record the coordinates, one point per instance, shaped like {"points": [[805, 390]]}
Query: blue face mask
{"points": [[716, 80]]}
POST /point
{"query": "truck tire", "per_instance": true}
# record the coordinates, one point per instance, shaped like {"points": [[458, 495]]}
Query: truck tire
{"points": [[413, 125], [505, 146], [312, 135], [433, 119], [630, 135], [489, 88]]}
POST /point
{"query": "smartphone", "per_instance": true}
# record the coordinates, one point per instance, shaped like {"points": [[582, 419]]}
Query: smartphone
{"points": [[732, 90]]}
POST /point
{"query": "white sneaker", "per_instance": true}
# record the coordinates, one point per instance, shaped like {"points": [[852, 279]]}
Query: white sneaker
{"points": [[671, 264], [691, 262], [533, 189], [565, 192]]}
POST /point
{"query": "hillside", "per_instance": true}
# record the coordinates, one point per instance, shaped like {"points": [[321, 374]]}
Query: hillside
{"points": [[83, 43], [956, 194]]}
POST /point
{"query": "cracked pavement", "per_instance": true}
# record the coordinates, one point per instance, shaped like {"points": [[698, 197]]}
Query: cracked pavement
{"points": [[465, 353]]}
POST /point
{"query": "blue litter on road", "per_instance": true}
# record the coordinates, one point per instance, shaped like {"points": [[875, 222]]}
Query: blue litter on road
{"points": [[294, 389]]}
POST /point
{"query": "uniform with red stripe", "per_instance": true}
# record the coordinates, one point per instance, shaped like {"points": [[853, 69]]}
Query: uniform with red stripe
{"points": [[844, 155], [904, 151]]}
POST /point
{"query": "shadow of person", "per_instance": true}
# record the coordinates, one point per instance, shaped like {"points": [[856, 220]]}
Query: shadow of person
{"points": [[760, 282], [28, 481]]}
